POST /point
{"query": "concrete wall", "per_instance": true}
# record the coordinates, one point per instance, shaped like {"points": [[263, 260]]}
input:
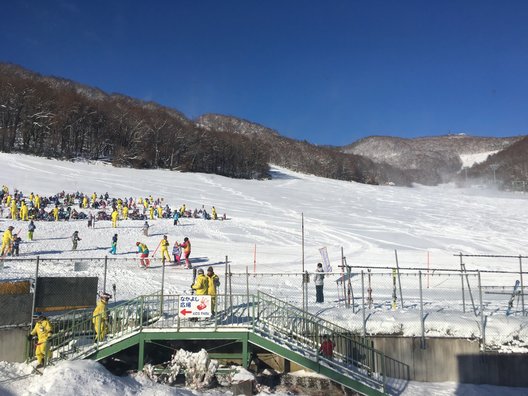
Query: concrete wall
{"points": [[15, 309], [13, 344], [454, 359]]}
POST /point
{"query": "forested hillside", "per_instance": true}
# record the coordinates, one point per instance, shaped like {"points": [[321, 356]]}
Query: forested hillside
{"points": [[58, 118]]}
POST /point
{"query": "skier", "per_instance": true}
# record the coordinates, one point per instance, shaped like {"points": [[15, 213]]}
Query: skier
{"points": [[176, 217], [176, 252], [15, 245], [213, 281], [143, 254], [7, 240], [31, 229], [24, 212], [213, 213], [113, 250], [146, 228], [200, 284], [56, 212], [186, 245], [125, 212], [75, 239], [100, 317], [115, 215], [165, 248], [319, 282], [43, 331]]}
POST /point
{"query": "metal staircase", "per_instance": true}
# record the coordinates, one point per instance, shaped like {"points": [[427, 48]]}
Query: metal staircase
{"points": [[260, 320]]}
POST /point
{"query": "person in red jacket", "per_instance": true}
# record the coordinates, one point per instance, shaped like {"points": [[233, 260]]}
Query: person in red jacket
{"points": [[186, 245], [327, 347]]}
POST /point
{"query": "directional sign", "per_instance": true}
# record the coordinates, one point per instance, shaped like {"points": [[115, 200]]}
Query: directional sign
{"points": [[194, 306]]}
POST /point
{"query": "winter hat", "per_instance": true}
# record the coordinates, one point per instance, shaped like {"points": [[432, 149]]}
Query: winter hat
{"points": [[137, 243], [105, 296], [201, 271], [210, 269]]}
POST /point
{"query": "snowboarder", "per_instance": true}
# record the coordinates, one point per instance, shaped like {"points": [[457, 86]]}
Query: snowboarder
{"points": [[43, 331], [113, 249], [75, 239], [100, 317], [186, 245], [319, 282], [31, 229]]}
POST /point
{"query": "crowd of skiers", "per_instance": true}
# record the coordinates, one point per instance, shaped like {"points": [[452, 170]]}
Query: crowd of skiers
{"points": [[65, 206], [80, 206]]}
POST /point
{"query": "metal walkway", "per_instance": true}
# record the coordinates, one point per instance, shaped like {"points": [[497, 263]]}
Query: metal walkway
{"points": [[256, 320]]}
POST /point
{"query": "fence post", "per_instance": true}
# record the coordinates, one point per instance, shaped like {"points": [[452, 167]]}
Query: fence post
{"points": [[225, 287], [363, 303], [399, 279], [482, 319], [104, 276], [247, 287], [522, 283], [462, 280], [422, 319], [35, 291], [230, 292], [162, 284]]}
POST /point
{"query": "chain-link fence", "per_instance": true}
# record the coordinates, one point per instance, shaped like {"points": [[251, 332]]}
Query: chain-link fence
{"points": [[419, 302]]}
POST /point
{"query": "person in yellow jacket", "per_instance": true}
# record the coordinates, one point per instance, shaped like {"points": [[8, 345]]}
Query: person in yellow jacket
{"points": [[56, 213], [94, 197], [125, 212], [100, 317], [85, 202], [31, 197], [213, 281], [160, 212], [14, 211], [115, 216], [200, 285], [151, 212], [8, 200], [24, 212], [164, 244], [37, 201], [7, 240], [43, 331], [213, 213]]}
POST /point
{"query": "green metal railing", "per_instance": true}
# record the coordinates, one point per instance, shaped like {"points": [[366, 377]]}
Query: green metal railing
{"points": [[280, 322], [353, 354]]}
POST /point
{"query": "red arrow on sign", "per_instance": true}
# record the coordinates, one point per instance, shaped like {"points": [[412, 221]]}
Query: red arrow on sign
{"points": [[185, 312]]}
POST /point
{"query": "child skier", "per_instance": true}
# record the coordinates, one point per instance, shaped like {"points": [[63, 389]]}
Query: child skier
{"points": [[75, 239], [31, 229], [16, 244], [176, 252]]}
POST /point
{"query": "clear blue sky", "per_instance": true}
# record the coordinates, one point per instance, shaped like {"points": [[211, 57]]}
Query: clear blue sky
{"points": [[328, 71]]}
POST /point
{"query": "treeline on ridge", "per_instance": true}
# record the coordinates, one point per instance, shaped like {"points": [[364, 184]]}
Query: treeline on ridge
{"points": [[57, 118]]}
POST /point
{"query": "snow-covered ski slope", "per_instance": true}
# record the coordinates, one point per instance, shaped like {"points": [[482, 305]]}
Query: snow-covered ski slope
{"points": [[369, 222]]}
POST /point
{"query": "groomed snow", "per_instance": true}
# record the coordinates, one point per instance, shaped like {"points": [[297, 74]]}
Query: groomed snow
{"points": [[368, 222]]}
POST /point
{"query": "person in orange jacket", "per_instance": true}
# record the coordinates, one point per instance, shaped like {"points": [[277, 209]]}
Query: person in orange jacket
{"points": [[186, 245]]}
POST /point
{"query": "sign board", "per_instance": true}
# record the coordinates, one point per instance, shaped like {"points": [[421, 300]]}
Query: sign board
{"points": [[65, 293], [193, 306]]}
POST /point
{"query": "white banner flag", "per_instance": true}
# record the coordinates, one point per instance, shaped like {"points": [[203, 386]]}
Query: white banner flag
{"points": [[326, 261]]}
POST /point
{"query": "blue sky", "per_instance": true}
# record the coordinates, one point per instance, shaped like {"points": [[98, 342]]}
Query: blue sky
{"points": [[330, 72]]}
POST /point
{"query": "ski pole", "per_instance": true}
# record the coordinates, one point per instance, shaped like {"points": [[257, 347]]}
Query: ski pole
{"points": [[153, 254]]}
